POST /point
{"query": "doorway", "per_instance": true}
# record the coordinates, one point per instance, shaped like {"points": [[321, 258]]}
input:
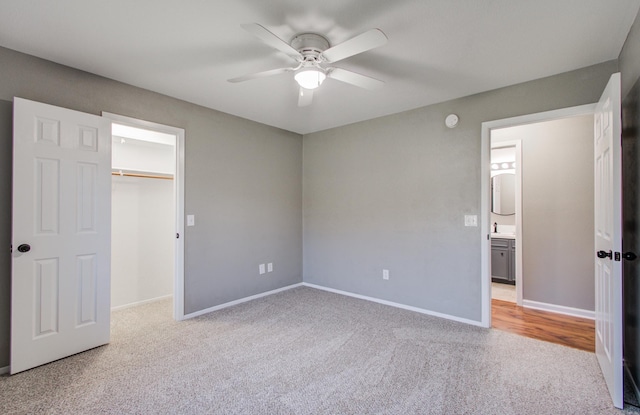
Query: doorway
{"points": [[147, 210], [486, 224], [67, 196]]}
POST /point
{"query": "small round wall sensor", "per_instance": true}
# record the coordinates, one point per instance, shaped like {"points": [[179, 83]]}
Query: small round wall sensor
{"points": [[451, 120]]}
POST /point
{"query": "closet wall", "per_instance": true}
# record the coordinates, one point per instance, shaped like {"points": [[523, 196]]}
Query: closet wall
{"points": [[143, 222]]}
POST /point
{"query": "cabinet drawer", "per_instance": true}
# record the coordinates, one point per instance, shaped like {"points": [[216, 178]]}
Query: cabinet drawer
{"points": [[499, 243]]}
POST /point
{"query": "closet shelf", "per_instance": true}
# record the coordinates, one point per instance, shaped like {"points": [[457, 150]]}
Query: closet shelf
{"points": [[141, 174]]}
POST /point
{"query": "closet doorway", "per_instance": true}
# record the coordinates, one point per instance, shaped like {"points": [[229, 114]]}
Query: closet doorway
{"points": [[147, 204]]}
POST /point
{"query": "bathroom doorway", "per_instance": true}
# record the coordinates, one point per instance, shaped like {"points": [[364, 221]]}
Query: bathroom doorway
{"points": [[551, 233]]}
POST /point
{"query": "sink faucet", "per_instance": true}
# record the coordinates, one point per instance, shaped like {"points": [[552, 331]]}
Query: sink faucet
{"points": [[495, 227]]}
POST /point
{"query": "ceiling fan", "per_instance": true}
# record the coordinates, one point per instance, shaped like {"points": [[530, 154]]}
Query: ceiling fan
{"points": [[313, 52]]}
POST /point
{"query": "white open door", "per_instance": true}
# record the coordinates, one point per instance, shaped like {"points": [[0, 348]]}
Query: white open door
{"points": [[608, 237], [60, 296]]}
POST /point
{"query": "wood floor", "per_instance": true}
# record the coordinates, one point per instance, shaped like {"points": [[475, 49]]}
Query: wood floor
{"points": [[570, 331]]}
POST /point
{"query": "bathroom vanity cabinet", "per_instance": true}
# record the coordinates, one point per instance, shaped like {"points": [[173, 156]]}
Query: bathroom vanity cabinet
{"points": [[503, 260]]}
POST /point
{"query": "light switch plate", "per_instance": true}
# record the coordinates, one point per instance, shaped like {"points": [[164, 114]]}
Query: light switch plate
{"points": [[191, 220], [270, 267], [470, 220], [261, 269]]}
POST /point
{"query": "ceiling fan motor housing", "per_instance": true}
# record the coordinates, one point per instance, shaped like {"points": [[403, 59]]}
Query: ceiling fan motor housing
{"points": [[310, 46]]}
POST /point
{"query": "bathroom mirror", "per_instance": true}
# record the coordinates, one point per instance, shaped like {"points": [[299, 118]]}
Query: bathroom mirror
{"points": [[503, 194]]}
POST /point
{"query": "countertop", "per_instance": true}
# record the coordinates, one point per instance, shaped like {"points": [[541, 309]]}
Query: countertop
{"points": [[503, 235]]}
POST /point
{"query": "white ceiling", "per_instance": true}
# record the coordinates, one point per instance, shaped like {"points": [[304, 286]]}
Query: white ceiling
{"points": [[438, 49]]}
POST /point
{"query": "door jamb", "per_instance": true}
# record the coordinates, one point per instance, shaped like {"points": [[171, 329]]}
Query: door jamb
{"points": [[485, 169], [178, 281]]}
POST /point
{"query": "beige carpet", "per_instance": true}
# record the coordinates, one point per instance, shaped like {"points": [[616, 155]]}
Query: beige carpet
{"points": [[306, 351]]}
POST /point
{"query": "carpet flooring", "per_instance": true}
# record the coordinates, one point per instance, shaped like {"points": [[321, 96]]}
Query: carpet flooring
{"points": [[306, 351]]}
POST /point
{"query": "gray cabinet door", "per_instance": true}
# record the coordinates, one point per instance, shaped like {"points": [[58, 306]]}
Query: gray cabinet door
{"points": [[500, 263], [503, 260]]}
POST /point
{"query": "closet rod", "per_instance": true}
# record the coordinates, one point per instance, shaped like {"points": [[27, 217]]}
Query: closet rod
{"points": [[145, 176]]}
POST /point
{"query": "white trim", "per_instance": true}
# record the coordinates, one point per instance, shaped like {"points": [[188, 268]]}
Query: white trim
{"points": [[179, 133], [485, 173], [150, 300], [541, 117], [485, 220], [519, 169], [240, 301], [633, 381], [4, 370], [559, 309], [397, 305]]}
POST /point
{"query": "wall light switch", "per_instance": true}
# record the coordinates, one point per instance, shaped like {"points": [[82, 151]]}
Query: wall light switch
{"points": [[261, 269], [270, 267], [470, 220], [385, 274], [191, 220]]}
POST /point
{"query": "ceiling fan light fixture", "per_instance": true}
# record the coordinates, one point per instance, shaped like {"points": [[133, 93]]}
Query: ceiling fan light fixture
{"points": [[310, 78]]}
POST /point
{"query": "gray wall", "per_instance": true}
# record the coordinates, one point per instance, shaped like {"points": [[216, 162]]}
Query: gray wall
{"points": [[392, 193], [243, 182], [557, 211], [629, 59]]}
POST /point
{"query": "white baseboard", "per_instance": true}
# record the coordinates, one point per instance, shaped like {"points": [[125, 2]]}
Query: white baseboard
{"points": [[560, 309], [397, 305], [240, 301], [4, 370], [151, 300]]}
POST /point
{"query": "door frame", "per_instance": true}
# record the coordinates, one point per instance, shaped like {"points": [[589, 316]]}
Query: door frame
{"points": [[178, 280], [485, 178]]}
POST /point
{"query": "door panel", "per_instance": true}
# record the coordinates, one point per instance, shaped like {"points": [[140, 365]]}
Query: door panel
{"points": [[608, 237], [47, 196], [60, 299], [47, 285], [86, 197], [87, 294]]}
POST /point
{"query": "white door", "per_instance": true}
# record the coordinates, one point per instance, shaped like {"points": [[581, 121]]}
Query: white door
{"points": [[608, 237], [60, 301]]}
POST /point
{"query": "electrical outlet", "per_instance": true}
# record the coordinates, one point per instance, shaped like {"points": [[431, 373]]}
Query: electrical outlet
{"points": [[270, 267], [385, 274], [261, 269]]}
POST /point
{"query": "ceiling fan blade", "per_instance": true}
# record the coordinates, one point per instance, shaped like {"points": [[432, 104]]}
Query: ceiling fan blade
{"points": [[305, 96], [260, 75], [272, 40], [361, 43], [353, 78]]}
